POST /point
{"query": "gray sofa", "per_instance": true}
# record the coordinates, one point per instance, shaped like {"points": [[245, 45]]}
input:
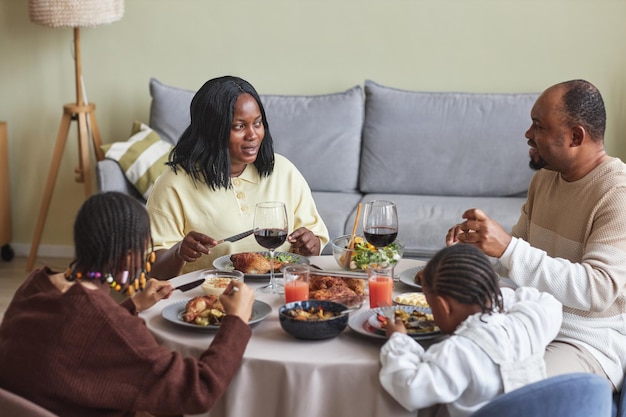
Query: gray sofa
{"points": [[434, 154]]}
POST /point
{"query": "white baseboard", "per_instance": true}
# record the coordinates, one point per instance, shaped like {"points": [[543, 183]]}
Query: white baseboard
{"points": [[49, 251]]}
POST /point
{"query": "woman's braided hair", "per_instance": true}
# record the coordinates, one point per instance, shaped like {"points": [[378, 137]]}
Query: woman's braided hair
{"points": [[109, 228], [465, 274]]}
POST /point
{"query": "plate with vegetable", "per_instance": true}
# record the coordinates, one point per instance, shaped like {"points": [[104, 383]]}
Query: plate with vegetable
{"points": [[418, 321], [175, 313], [256, 265]]}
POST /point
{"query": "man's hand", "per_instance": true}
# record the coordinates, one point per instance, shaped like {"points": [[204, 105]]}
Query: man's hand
{"points": [[480, 231]]}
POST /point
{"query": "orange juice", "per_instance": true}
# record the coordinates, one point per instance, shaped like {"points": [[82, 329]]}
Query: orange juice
{"points": [[296, 290], [381, 291]]}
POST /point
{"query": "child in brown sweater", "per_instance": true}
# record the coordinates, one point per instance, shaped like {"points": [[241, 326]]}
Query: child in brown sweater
{"points": [[66, 345]]}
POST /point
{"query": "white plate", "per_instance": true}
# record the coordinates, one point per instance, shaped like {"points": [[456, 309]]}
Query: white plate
{"points": [[174, 313], [407, 277], [223, 262], [363, 323]]}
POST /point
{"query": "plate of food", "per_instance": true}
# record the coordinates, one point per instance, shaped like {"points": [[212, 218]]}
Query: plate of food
{"points": [[349, 291], [418, 321], [407, 277], [257, 264], [415, 299], [206, 312]]}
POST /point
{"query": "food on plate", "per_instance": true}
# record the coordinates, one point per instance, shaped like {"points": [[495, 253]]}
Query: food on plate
{"points": [[321, 282], [215, 285], [365, 253], [355, 284], [204, 310], [258, 263], [417, 299], [415, 321], [345, 290], [419, 276], [313, 313]]}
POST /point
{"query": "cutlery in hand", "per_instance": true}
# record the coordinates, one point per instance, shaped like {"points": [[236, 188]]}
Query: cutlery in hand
{"points": [[237, 237], [190, 285]]}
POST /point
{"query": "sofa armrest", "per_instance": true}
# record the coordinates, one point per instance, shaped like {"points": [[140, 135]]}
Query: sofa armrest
{"points": [[111, 178]]}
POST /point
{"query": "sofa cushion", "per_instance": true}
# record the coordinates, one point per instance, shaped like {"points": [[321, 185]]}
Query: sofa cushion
{"points": [[475, 139], [142, 157], [334, 209], [169, 110], [320, 134]]}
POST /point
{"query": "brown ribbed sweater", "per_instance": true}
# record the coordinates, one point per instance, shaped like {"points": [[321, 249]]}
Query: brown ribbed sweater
{"points": [[79, 353]]}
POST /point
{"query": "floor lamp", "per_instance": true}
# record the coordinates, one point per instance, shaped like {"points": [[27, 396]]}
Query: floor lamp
{"points": [[72, 14]]}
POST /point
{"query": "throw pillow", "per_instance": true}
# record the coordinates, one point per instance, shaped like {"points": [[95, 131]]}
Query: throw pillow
{"points": [[142, 157]]}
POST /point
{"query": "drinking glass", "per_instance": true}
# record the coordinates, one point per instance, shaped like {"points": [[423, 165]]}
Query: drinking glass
{"points": [[380, 222], [270, 231], [296, 282], [380, 285]]}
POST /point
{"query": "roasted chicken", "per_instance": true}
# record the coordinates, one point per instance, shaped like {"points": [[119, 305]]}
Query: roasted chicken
{"points": [[253, 263], [199, 306]]}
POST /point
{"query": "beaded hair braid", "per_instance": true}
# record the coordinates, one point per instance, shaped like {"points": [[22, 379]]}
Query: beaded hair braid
{"points": [[111, 228], [464, 273]]}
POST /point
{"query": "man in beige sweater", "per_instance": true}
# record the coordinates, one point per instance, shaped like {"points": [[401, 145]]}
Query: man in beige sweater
{"points": [[570, 239]]}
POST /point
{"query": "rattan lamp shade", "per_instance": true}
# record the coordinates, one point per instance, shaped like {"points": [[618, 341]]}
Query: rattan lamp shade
{"points": [[75, 13]]}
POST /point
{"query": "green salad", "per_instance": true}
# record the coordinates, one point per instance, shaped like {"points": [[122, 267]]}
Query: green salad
{"points": [[365, 253], [284, 257]]}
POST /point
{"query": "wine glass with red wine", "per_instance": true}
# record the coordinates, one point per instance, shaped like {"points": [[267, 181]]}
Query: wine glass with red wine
{"points": [[270, 231], [380, 222]]}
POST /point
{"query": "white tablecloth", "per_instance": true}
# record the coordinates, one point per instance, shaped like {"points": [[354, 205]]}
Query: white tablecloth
{"points": [[284, 376]]}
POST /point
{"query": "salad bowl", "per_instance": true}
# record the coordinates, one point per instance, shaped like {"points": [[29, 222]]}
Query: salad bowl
{"points": [[364, 253]]}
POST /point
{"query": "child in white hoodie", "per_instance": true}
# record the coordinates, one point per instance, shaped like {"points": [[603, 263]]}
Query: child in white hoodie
{"points": [[496, 344]]}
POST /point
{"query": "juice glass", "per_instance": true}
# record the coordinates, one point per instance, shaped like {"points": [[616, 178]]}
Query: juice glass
{"points": [[380, 283], [296, 282]]}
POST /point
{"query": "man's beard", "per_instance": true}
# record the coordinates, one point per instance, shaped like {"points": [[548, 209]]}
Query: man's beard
{"points": [[536, 165]]}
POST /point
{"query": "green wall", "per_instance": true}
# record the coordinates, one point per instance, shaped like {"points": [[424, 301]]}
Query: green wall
{"points": [[285, 47]]}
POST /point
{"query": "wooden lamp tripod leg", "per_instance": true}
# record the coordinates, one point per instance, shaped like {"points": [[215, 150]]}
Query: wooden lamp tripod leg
{"points": [[64, 129], [79, 112], [70, 112]]}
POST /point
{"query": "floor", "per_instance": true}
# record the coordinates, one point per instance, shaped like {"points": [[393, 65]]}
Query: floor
{"points": [[13, 273]]}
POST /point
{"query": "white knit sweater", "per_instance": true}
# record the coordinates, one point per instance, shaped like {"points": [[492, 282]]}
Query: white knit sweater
{"points": [[570, 241]]}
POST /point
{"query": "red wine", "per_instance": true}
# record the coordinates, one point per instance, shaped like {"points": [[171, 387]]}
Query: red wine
{"points": [[270, 238], [380, 236]]}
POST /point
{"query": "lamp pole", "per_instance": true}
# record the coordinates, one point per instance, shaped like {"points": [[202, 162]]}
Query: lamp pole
{"points": [[79, 112]]}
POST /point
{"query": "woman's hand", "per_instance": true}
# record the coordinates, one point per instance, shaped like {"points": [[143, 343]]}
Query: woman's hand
{"points": [[238, 299], [194, 245], [304, 242], [169, 262], [155, 291]]}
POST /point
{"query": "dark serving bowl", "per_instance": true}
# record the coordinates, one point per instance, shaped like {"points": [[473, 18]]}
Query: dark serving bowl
{"points": [[314, 329]]}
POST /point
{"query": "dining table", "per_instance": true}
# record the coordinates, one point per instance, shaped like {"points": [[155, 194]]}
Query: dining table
{"points": [[281, 375]]}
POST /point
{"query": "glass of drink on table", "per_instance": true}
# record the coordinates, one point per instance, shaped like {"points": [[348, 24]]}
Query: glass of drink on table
{"points": [[380, 283], [296, 282], [380, 222], [270, 231]]}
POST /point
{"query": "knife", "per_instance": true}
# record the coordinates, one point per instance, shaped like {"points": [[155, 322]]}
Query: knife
{"points": [[237, 237], [340, 274], [190, 285]]}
